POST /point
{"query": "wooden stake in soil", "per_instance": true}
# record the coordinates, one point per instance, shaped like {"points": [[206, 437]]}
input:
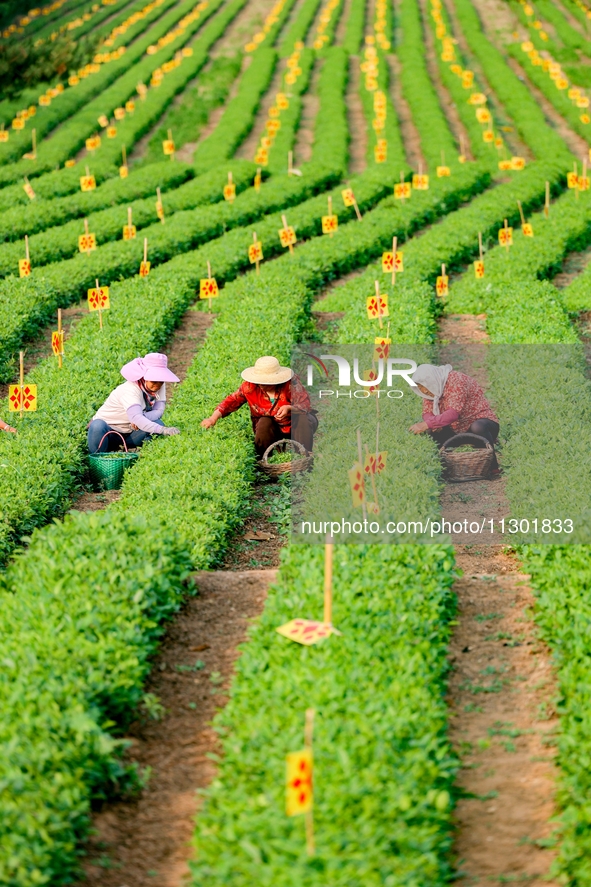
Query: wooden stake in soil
{"points": [[547, 203], [308, 734], [377, 284], [360, 454], [286, 227], [394, 248], [22, 379], [24, 265], [209, 278], [159, 205], [376, 508], [123, 170], [257, 260], [462, 157], [60, 337], [100, 313]]}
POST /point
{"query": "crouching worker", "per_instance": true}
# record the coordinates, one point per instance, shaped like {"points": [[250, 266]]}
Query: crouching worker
{"points": [[135, 408], [279, 405], [453, 403]]}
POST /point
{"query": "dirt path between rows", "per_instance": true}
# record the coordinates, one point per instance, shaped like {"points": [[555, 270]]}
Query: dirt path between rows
{"points": [[502, 687], [304, 143], [356, 119], [147, 840], [500, 114], [410, 134]]}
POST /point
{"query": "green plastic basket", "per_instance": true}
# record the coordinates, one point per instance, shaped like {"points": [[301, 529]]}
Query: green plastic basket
{"points": [[107, 469]]}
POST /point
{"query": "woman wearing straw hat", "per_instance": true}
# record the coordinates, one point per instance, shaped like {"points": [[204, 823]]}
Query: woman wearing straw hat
{"points": [[134, 409], [279, 405], [453, 403]]}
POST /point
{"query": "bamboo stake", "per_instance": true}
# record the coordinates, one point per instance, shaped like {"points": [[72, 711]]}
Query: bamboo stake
{"points": [[547, 203], [257, 262], [330, 213], [506, 237], [27, 257], [286, 226], [22, 378], [100, 313], [577, 188], [373, 479], [360, 454], [308, 734], [480, 244], [209, 278], [145, 252], [170, 140], [88, 171], [289, 162], [328, 583], [59, 329], [521, 212], [377, 283], [462, 149], [394, 248], [159, 199]]}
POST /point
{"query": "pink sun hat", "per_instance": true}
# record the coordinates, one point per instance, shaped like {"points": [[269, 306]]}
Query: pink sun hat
{"points": [[152, 368]]}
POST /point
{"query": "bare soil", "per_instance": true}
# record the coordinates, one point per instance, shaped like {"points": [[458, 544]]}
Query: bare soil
{"points": [[505, 23], [410, 134], [310, 105], [341, 29], [502, 688], [356, 119], [572, 266], [248, 147], [146, 840], [447, 103]]}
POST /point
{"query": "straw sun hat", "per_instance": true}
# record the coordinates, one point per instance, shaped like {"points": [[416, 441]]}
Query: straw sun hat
{"points": [[267, 371]]}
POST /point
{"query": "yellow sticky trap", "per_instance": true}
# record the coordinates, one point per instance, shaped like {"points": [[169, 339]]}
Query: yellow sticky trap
{"points": [[230, 192], [103, 120], [98, 299], [479, 269], [373, 465], [348, 197], [208, 288], [305, 631], [18, 123], [442, 286], [159, 210], [261, 157], [517, 163], [130, 107], [357, 483], [527, 229], [420, 182], [28, 189], [255, 252], [287, 236], [299, 792], [87, 242], [483, 115], [371, 376], [506, 236], [282, 101], [111, 132], [583, 183], [504, 164], [402, 191], [24, 267], [57, 342], [3, 135], [123, 172], [330, 224], [392, 263], [168, 147], [144, 269], [273, 127], [443, 171], [129, 232], [477, 98], [381, 348], [44, 101], [24, 398], [380, 154], [488, 136], [119, 113], [375, 309], [93, 143], [572, 180], [87, 183]]}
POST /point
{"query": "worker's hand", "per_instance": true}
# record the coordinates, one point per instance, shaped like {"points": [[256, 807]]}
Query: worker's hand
{"points": [[134, 427], [211, 420], [9, 428], [419, 427], [283, 412], [170, 429]]}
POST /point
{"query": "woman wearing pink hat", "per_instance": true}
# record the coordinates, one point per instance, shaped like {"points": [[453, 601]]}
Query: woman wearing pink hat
{"points": [[279, 405], [134, 409]]}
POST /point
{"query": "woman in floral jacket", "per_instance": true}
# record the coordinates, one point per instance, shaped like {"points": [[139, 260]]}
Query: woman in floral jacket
{"points": [[279, 405]]}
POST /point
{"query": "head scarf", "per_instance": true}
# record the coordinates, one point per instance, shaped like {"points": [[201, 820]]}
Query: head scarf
{"points": [[149, 397], [433, 378]]}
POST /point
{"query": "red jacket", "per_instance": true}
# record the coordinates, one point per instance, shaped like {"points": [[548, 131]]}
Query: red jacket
{"points": [[291, 392]]}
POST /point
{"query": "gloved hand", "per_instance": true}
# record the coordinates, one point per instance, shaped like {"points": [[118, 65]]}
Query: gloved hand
{"points": [[171, 430]]}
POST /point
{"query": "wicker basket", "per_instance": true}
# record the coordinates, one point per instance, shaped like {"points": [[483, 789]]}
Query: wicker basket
{"points": [[475, 465], [107, 473], [282, 446]]}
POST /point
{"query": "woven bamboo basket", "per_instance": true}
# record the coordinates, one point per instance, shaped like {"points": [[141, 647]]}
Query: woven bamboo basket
{"points": [[283, 446], [474, 465]]}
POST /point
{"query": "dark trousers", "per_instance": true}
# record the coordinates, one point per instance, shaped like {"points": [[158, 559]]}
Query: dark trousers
{"points": [[97, 429], [483, 427], [267, 431]]}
